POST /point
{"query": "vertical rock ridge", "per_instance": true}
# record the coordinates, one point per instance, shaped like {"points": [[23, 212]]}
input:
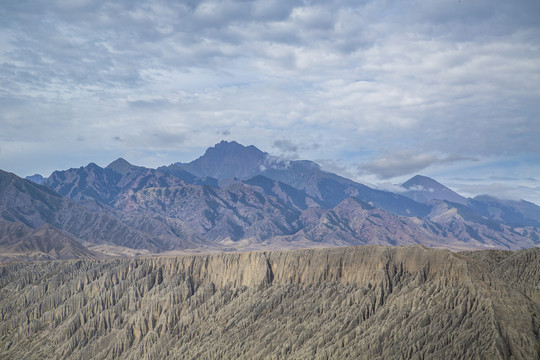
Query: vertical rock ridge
{"points": [[366, 302]]}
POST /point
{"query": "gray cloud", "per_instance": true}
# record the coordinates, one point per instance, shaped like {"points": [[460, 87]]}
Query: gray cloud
{"points": [[387, 186], [402, 163], [358, 78], [337, 167], [151, 104], [223, 132], [503, 191], [163, 138], [285, 146], [407, 162]]}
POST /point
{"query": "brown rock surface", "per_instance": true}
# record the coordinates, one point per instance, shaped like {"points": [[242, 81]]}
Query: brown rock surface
{"points": [[363, 302], [19, 242]]}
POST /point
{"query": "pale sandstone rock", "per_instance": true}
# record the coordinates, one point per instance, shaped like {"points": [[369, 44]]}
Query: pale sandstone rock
{"points": [[363, 302]]}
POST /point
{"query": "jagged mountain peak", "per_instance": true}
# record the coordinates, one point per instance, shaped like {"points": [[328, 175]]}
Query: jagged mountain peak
{"points": [[92, 166], [119, 162], [227, 160], [424, 189], [225, 143], [422, 181], [228, 143], [235, 148], [36, 178], [270, 199], [121, 166]]}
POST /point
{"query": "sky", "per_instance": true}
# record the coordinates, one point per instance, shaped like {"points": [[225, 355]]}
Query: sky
{"points": [[376, 91]]}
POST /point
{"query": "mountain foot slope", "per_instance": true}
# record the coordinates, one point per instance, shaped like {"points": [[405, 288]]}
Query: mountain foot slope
{"points": [[19, 242], [368, 302]]}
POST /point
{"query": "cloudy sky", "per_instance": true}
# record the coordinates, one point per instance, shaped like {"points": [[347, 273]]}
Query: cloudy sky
{"points": [[374, 90]]}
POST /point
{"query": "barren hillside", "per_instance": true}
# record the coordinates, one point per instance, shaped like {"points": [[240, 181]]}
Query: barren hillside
{"points": [[365, 302]]}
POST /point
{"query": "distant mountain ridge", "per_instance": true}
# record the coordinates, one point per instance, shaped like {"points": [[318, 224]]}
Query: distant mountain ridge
{"points": [[423, 189], [22, 201], [230, 160], [36, 178], [513, 212], [239, 198], [20, 242]]}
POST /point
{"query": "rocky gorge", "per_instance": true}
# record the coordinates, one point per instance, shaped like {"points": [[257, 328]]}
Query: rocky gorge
{"points": [[370, 302]]}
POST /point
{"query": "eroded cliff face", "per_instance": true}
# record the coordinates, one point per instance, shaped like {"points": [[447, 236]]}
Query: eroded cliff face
{"points": [[365, 302]]}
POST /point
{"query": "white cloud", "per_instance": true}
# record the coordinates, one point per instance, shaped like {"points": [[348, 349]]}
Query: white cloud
{"points": [[501, 190], [406, 162], [275, 162], [368, 81], [387, 186]]}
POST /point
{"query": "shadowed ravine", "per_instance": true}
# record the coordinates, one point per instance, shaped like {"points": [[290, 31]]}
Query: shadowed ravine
{"points": [[361, 302]]}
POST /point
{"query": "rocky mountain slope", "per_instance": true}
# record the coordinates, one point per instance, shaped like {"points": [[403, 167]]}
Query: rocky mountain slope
{"points": [[238, 198], [511, 212], [363, 303], [423, 189], [19, 242], [227, 161], [36, 178], [162, 214], [22, 201], [222, 162]]}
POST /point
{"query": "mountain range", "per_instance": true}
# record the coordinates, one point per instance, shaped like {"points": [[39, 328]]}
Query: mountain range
{"points": [[236, 198]]}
